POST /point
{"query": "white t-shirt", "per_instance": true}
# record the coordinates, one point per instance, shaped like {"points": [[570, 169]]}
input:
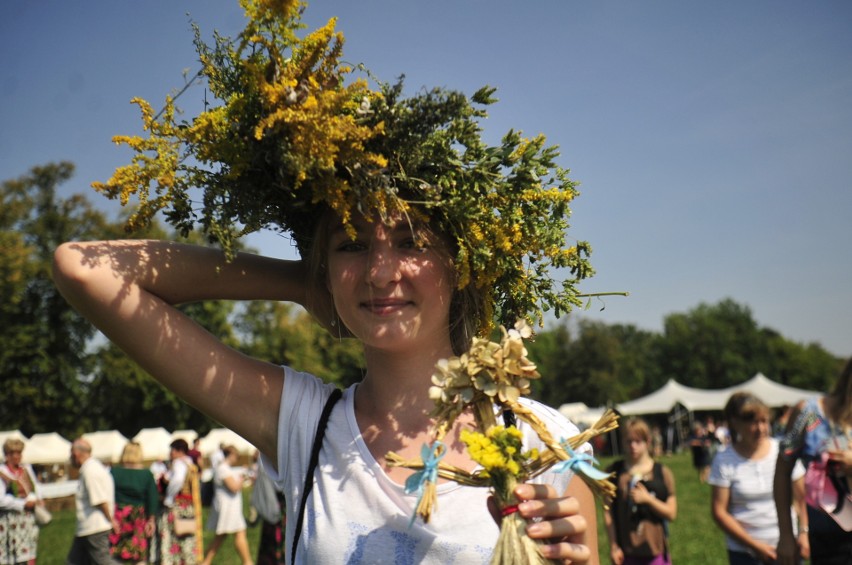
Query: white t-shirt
{"points": [[94, 487], [751, 502], [355, 513], [176, 476]]}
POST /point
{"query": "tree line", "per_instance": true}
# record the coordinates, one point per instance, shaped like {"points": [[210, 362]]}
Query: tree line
{"points": [[60, 375]]}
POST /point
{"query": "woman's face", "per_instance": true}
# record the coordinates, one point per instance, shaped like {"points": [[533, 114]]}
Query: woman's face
{"points": [[636, 445], [391, 285], [13, 457], [753, 429]]}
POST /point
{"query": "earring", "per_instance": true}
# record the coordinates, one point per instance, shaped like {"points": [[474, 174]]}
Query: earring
{"points": [[333, 322]]}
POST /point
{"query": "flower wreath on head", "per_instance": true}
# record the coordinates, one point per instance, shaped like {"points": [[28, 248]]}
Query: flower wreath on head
{"points": [[292, 133]]}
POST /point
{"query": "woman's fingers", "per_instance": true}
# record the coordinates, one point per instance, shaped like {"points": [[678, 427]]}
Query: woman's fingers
{"points": [[573, 553], [553, 515], [555, 518]]}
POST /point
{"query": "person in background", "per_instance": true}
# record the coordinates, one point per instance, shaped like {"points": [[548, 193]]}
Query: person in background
{"points": [[136, 507], [645, 501], [226, 515], [779, 426], [723, 435], [742, 476], [95, 501], [217, 456], [269, 504], [195, 453], [181, 503], [819, 430], [18, 528], [700, 443], [657, 444]]}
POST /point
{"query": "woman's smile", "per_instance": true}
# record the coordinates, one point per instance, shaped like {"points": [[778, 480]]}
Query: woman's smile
{"points": [[385, 306]]}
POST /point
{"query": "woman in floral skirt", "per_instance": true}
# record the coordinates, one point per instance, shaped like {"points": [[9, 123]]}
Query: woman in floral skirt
{"points": [[18, 528], [136, 506]]}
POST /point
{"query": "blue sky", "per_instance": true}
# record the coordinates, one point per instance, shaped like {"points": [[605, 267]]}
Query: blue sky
{"points": [[712, 140]]}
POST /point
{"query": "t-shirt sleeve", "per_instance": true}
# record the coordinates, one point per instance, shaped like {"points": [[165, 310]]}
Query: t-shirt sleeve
{"points": [[99, 487], [302, 399], [561, 428], [798, 470], [717, 477], [794, 439]]}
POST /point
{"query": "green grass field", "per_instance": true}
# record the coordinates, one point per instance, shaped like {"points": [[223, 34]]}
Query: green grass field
{"points": [[695, 539]]}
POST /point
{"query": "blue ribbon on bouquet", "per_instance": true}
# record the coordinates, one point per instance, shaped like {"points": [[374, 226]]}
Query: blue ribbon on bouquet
{"points": [[581, 463], [431, 456]]}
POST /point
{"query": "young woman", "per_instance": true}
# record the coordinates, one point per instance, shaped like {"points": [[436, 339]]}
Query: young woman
{"points": [[742, 476], [644, 501], [179, 525], [226, 516], [392, 287], [820, 429]]}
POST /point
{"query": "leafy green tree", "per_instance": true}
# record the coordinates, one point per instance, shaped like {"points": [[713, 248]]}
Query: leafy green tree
{"points": [[549, 351], [802, 366], [285, 334], [713, 346], [44, 340], [601, 364]]}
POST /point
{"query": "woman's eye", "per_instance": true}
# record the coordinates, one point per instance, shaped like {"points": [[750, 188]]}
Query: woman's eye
{"points": [[350, 246], [414, 245]]}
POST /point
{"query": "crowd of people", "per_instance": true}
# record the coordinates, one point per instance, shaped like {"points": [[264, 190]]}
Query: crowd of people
{"points": [[132, 513], [780, 492]]}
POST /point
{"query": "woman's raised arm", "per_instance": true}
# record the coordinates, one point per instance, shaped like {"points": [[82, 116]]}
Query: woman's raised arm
{"points": [[128, 290]]}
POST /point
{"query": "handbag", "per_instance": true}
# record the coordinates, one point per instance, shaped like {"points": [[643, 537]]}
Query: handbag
{"points": [[184, 527], [824, 490], [42, 515]]}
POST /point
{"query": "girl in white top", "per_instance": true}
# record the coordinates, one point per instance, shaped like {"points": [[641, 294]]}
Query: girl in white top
{"points": [[226, 516], [390, 287], [742, 478]]}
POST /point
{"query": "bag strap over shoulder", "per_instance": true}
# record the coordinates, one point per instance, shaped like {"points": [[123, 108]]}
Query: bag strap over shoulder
{"points": [[312, 465]]}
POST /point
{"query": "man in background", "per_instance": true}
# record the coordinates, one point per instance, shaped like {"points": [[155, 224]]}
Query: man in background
{"points": [[95, 501]]}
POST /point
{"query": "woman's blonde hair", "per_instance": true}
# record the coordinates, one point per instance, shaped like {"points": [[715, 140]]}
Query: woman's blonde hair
{"points": [[131, 454], [12, 444]]}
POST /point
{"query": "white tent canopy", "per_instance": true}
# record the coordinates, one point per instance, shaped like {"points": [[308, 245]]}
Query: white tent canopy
{"points": [[773, 394], [224, 436], [155, 443], [663, 400], [580, 414], [106, 445], [11, 434], [47, 449]]}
